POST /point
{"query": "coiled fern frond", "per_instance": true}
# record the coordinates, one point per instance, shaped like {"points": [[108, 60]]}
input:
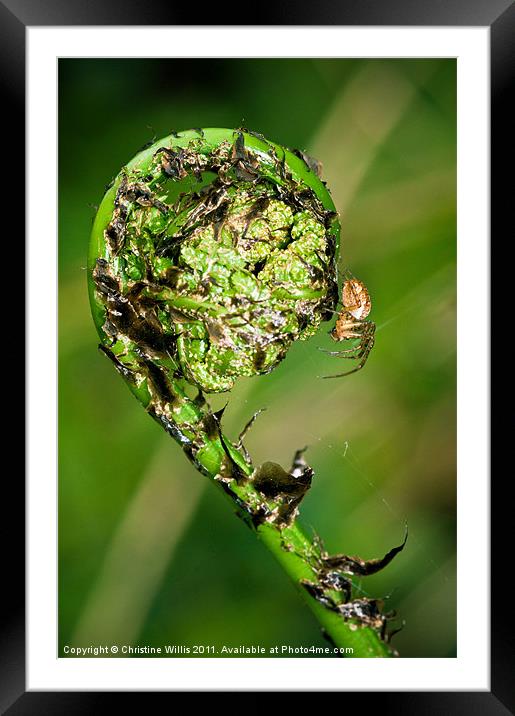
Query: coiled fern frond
{"points": [[212, 252]]}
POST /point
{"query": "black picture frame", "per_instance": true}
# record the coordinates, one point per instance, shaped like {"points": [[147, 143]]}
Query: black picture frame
{"points": [[499, 16]]}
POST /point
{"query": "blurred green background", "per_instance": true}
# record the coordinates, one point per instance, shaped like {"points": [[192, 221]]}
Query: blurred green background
{"points": [[149, 552]]}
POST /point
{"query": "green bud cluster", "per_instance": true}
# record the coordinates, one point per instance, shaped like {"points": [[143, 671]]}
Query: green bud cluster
{"points": [[216, 252]]}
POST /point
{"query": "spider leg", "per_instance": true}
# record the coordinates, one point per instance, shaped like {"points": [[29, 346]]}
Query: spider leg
{"points": [[341, 375], [343, 352], [367, 336], [368, 340]]}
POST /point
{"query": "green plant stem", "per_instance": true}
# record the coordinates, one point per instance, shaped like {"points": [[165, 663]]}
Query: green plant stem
{"points": [[289, 544], [362, 642]]}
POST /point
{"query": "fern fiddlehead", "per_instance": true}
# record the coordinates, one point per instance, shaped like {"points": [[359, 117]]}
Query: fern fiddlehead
{"points": [[211, 253]]}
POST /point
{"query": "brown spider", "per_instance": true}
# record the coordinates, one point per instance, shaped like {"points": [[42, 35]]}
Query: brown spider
{"points": [[351, 324]]}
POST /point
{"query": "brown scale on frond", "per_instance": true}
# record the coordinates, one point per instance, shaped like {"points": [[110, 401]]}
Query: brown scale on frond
{"points": [[283, 489], [333, 586]]}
